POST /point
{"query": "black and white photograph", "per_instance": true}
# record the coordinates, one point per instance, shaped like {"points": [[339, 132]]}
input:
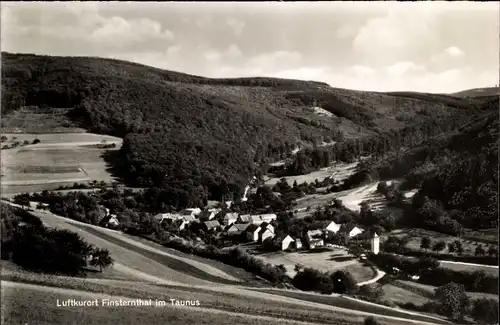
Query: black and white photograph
{"points": [[249, 163]]}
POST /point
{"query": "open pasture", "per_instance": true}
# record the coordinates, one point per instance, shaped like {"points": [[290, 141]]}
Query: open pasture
{"points": [[58, 158]]}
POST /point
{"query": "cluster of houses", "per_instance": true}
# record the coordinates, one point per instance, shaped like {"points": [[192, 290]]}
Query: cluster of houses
{"points": [[248, 228]]}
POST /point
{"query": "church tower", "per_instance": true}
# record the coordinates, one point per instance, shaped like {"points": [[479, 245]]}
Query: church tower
{"points": [[375, 244]]}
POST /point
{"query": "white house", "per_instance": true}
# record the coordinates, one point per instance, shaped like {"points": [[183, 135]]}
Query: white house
{"points": [[314, 239], [252, 232], [230, 218], [265, 234], [375, 244], [286, 242], [333, 227], [188, 218], [350, 229]]}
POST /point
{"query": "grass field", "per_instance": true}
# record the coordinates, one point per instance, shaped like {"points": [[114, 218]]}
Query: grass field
{"points": [[324, 261], [339, 172], [59, 159]]}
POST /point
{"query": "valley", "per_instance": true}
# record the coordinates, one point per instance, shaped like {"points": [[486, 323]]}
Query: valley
{"points": [[303, 179]]}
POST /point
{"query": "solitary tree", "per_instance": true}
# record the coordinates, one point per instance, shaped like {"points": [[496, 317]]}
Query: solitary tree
{"points": [[451, 247], [453, 300], [439, 246], [101, 258], [425, 243]]}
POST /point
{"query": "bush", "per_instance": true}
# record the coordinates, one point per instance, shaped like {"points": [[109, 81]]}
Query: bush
{"points": [[36, 141]]}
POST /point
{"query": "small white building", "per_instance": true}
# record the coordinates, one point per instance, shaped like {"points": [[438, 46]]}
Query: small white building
{"points": [[314, 239], [113, 221], [286, 242], [375, 244]]}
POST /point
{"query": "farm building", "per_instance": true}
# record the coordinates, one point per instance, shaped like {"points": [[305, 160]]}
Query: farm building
{"points": [[298, 243], [314, 238], [188, 218]]}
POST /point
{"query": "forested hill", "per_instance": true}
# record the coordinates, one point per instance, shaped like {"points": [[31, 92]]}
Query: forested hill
{"points": [[197, 137]]}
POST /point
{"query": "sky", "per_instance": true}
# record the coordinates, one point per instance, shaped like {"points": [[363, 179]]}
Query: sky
{"points": [[438, 47]]}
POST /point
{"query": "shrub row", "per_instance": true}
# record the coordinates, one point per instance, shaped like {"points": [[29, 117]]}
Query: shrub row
{"points": [[487, 260], [431, 274]]}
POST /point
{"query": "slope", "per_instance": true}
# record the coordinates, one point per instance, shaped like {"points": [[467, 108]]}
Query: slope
{"points": [[201, 138]]}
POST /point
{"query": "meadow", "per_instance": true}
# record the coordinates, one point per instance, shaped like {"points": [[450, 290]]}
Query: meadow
{"points": [[59, 159], [327, 261]]}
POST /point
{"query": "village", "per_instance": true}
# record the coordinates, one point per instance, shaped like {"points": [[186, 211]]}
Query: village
{"points": [[231, 228]]}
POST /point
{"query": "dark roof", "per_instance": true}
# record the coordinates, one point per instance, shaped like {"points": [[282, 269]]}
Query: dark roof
{"points": [[347, 228]]}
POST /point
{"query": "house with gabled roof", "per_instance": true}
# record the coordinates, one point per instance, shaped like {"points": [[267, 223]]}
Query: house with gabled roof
{"points": [[284, 241], [314, 238], [212, 225], [333, 227], [265, 233], [252, 232], [350, 229], [230, 218], [237, 228]]}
